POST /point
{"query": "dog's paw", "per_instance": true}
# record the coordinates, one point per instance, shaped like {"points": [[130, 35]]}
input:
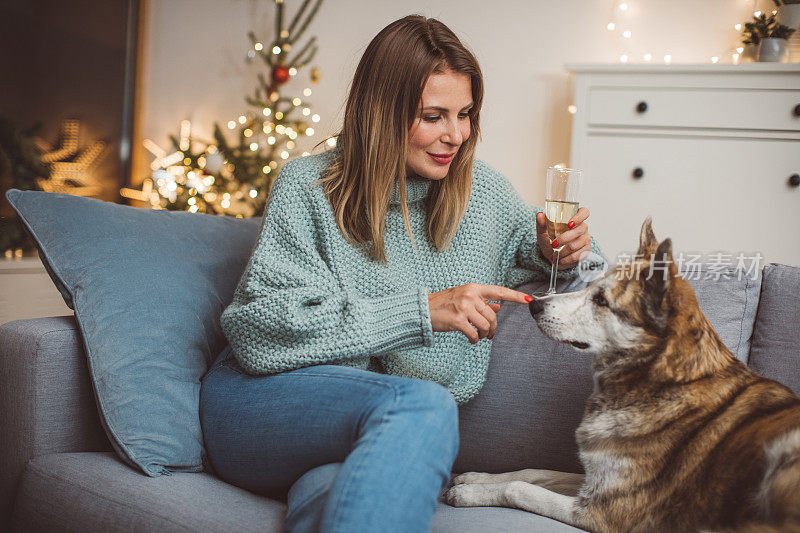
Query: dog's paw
{"points": [[465, 478], [461, 496]]}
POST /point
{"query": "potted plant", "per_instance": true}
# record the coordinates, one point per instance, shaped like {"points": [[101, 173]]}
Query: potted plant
{"points": [[789, 15], [772, 36]]}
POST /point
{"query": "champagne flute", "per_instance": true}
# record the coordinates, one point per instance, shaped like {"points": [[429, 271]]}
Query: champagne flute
{"points": [[560, 205]]}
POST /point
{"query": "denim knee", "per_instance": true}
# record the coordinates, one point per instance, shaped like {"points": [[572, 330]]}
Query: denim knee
{"points": [[440, 406]]}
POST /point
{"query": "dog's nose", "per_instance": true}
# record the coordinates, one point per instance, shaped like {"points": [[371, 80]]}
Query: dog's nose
{"points": [[536, 306]]}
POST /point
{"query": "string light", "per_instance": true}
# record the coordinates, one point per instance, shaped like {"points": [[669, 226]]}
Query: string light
{"points": [[617, 20]]}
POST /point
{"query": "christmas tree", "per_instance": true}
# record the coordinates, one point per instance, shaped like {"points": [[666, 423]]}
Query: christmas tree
{"points": [[234, 178]]}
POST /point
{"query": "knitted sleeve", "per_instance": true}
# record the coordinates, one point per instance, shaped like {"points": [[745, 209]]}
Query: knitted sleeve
{"points": [[289, 309]]}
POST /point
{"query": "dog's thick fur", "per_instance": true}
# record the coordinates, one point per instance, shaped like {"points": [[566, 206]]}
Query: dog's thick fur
{"points": [[678, 434]]}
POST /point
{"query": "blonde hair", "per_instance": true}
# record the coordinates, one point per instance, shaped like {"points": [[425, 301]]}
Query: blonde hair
{"points": [[384, 98]]}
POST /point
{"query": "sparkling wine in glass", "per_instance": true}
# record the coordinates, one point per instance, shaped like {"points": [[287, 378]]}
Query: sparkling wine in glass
{"points": [[560, 205]]}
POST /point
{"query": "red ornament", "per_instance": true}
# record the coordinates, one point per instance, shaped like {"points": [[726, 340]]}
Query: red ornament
{"points": [[280, 74]]}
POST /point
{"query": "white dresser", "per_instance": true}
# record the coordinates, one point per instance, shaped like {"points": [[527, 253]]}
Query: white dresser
{"points": [[711, 152], [26, 291]]}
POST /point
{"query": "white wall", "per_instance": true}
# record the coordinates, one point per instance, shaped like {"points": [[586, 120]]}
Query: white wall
{"points": [[194, 61]]}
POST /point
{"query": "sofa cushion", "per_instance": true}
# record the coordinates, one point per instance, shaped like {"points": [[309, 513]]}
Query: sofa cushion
{"points": [[776, 344], [95, 492], [535, 391], [147, 288]]}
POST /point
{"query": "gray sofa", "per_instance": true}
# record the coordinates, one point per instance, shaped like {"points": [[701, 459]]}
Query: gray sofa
{"points": [[58, 471]]}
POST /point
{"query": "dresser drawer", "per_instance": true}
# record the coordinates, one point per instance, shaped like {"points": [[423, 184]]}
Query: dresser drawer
{"points": [[707, 194], [750, 109]]}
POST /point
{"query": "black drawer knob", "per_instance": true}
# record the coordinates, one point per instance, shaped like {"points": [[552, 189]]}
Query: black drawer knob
{"points": [[638, 172], [796, 110], [794, 180], [641, 107]]}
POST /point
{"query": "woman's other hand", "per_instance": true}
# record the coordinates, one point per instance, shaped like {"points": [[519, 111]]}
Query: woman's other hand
{"points": [[466, 308], [575, 240]]}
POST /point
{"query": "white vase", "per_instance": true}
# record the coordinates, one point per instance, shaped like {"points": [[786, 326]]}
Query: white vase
{"points": [[789, 15], [772, 50]]}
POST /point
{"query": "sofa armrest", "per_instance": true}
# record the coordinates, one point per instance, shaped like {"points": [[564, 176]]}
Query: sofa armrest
{"points": [[46, 397]]}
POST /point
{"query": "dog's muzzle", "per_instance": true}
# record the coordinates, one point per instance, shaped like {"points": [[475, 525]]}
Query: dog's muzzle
{"points": [[536, 307]]}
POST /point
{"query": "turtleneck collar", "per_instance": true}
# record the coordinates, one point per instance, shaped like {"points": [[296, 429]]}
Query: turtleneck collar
{"points": [[416, 189]]}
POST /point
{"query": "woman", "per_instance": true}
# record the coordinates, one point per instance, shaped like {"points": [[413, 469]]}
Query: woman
{"points": [[356, 328]]}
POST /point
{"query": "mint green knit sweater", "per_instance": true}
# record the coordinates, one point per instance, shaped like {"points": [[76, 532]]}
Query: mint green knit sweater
{"points": [[309, 297]]}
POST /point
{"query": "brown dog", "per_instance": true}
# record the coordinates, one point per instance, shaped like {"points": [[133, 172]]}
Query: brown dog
{"points": [[678, 434]]}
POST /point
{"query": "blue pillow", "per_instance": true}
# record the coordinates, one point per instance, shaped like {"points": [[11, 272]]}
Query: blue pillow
{"points": [[147, 288]]}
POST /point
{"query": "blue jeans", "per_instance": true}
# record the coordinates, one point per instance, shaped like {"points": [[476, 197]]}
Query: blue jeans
{"points": [[358, 450]]}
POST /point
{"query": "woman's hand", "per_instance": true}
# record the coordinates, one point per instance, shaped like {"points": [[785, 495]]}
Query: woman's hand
{"points": [[465, 308], [575, 241]]}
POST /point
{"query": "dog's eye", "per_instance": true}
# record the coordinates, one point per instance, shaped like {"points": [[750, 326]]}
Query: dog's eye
{"points": [[600, 300]]}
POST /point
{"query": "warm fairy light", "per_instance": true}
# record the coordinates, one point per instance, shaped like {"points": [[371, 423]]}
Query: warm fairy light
{"points": [[278, 115], [267, 111], [292, 71], [306, 111], [611, 26], [648, 57], [271, 140], [276, 50], [296, 101], [309, 131], [258, 47], [248, 132], [737, 27], [231, 124], [331, 142], [253, 193], [667, 58], [627, 34], [284, 155], [736, 58], [623, 7], [315, 118], [739, 50], [306, 92], [623, 58], [254, 146], [714, 59], [757, 13], [572, 109], [154, 149], [242, 119]]}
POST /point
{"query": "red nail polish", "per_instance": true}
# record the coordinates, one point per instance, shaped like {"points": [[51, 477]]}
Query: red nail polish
{"points": [[554, 244], [529, 299], [571, 224]]}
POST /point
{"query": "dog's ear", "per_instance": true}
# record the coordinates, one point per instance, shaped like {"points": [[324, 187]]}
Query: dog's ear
{"points": [[658, 280], [647, 239]]}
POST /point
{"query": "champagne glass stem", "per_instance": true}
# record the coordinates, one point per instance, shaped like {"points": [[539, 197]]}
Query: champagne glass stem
{"points": [[553, 272]]}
